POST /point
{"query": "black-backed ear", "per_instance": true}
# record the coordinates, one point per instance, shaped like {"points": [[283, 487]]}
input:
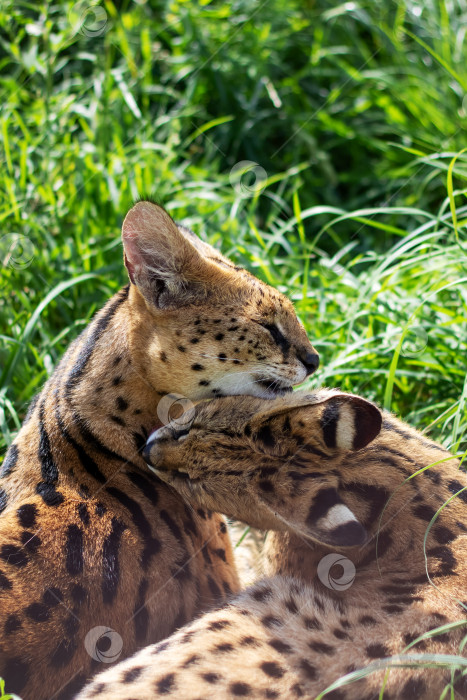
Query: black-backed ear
{"points": [[323, 518], [167, 268], [337, 420], [349, 422]]}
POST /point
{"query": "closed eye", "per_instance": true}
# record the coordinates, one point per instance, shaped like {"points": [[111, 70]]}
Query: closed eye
{"points": [[278, 337], [180, 435]]}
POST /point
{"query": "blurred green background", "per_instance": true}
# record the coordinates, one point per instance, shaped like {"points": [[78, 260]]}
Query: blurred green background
{"points": [[353, 119]]}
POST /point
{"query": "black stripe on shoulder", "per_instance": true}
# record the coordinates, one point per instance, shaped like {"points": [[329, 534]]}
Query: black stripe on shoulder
{"points": [[151, 544], [312, 450], [181, 570], [93, 441], [390, 450], [110, 561], [189, 524], [3, 500], [388, 425], [74, 550], [172, 525], [431, 445], [9, 463], [87, 462], [140, 612], [145, 486], [49, 469], [93, 333]]}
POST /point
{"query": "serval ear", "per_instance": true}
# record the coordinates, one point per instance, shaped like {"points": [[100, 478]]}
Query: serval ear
{"points": [[327, 418], [349, 422], [167, 268]]}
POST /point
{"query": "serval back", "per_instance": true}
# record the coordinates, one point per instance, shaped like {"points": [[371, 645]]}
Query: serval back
{"points": [[363, 561], [98, 557]]}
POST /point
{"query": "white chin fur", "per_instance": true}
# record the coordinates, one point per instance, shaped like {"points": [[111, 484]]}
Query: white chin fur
{"points": [[241, 383]]}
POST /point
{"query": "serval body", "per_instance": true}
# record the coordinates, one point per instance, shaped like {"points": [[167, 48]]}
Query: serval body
{"points": [[350, 495], [98, 557]]}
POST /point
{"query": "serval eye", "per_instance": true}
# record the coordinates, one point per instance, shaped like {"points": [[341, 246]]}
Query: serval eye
{"points": [[278, 337], [181, 434]]}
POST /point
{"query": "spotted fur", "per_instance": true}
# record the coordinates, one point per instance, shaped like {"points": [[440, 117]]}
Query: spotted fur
{"points": [[89, 537], [329, 475]]}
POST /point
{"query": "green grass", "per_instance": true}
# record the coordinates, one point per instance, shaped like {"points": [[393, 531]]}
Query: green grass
{"points": [[4, 695], [356, 113]]}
